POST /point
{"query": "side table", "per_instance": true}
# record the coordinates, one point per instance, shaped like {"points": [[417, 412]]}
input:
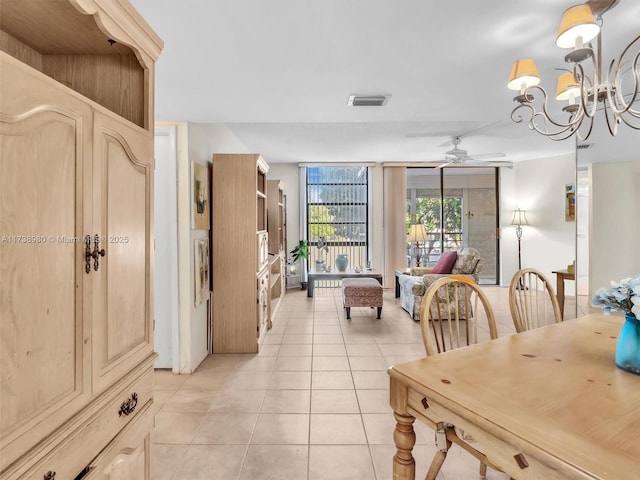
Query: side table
{"points": [[561, 276]]}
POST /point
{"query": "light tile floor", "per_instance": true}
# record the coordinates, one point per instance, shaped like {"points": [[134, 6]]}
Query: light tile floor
{"points": [[312, 405]]}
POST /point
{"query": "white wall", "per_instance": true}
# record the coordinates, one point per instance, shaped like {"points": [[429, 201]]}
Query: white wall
{"points": [[614, 223], [548, 243]]}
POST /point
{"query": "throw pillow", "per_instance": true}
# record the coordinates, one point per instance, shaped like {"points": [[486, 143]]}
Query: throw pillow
{"points": [[445, 262], [468, 264]]}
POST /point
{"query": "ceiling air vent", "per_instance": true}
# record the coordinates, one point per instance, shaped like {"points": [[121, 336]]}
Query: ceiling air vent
{"points": [[368, 100]]}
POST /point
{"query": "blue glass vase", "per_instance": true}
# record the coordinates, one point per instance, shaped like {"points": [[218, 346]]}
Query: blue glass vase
{"points": [[342, 261], [628, 347]]}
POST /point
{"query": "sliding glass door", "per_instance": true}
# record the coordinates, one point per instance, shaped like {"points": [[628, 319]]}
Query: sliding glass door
{"points": [[458, 207]]}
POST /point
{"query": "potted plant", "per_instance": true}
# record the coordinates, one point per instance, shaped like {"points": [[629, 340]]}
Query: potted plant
{"points": [[301, 251], [624, 297]]}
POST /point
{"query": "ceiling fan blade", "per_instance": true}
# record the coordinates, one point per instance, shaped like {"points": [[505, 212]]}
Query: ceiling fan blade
{"points": [[481, 164], [427, 133], [446, 164], [470, 132], [417, 135], [479, 129], [487, 155]]}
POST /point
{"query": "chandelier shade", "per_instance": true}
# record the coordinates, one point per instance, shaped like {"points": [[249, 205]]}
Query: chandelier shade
{"points": [[524, 74], [578, 23], [567, 87]]}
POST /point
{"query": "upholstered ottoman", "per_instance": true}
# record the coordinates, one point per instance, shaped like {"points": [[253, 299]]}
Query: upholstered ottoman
{"points": [[361, 292]]}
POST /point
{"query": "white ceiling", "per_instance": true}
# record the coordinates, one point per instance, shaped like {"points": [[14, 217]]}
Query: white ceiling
{"points": [[279, 73]]}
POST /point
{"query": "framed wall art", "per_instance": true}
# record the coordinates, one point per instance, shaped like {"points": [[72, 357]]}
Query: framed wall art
{"points": [[201, 197], [201, 270], [570, 202]]}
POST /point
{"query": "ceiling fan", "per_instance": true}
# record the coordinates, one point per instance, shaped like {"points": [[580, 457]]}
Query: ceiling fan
{"points": [[459, 157]]}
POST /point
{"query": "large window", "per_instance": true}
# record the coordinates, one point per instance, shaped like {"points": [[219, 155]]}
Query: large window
{"points": [[338, 214]]}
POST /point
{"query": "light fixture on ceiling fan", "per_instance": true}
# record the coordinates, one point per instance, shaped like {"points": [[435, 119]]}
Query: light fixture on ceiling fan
{"points": [[586, 94]]}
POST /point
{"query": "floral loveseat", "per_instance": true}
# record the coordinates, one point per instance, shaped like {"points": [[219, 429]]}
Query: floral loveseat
{"points": [[414, 286]]}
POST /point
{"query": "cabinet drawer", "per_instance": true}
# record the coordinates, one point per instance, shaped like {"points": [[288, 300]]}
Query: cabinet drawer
{"points": [[77, 450], [522, 462], [128, 457]]}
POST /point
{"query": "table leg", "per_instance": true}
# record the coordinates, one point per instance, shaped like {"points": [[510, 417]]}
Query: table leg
{"points": [[397, 285], [560, 292], [310, 283], [404, 465]]}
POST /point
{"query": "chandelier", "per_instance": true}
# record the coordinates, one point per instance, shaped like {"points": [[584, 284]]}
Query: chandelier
{"points": [[586, 94]]}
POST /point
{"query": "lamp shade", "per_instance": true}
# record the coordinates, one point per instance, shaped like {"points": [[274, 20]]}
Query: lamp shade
{"points": [[577, 22], [524, 73], [567, 87], [417, 233], [519, 217]]}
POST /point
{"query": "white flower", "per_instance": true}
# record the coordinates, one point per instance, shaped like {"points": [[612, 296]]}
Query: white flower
{"points": [[622, 297]]}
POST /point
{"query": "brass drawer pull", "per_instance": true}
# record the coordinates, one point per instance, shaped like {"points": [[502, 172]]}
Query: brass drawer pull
{"points": [[95, 254], [521, 461], [129, 405], [49, 475]]}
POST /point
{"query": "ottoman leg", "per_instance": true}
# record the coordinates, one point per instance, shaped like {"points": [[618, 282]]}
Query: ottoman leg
{"points": [[348, 309], [379, 312]]}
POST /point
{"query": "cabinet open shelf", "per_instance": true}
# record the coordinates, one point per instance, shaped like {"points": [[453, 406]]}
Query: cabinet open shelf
{"points": [[277, 254], [275, 276], [70, 47]]}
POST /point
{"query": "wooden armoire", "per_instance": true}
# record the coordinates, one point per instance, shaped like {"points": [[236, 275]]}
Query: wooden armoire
{"points": [[76, 240]]}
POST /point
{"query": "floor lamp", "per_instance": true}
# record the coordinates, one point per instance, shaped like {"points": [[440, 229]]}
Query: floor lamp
{"points": [[417, 233], [519, 219]]}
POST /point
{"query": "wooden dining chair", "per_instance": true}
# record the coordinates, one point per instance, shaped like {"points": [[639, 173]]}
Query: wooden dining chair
{"points": [[532, 301], [451, 314]]}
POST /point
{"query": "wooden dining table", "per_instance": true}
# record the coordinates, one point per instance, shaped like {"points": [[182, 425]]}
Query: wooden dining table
{"points": [[544, 404]]}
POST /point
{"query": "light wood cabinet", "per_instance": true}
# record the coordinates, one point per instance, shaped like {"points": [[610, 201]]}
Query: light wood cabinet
{"points": [[240, 248], [76, 163]]}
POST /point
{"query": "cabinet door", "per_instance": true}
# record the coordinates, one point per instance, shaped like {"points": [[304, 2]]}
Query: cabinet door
{"points": [[122, 200], [262, 316], [44, 155]]}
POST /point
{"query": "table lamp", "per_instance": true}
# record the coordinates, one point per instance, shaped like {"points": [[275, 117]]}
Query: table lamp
{"points": [[417, 233]]}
